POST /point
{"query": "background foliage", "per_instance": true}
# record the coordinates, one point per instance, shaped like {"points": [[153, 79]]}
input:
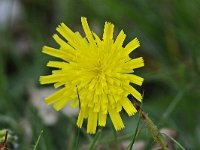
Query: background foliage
{"points": [[169, 34]]}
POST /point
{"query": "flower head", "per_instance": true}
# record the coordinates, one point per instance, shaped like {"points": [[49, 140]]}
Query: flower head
{"points": [[94, 74]]}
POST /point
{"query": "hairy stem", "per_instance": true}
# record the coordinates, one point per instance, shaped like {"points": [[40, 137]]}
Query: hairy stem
{"points": [[151, 126]]}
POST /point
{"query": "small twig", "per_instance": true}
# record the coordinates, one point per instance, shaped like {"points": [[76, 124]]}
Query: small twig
{"points": [[3, 145]]}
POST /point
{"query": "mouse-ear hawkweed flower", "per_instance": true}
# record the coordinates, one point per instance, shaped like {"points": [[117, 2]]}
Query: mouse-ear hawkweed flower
{"points": [[99, 69]]}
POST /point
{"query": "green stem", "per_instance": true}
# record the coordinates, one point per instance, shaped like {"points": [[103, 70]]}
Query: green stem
{"points": [[136, 131], [115, 138], [96, 137], [77, 139]]}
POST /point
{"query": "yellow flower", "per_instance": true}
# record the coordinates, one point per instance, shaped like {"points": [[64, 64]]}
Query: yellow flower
{"points": [[94, 74]]}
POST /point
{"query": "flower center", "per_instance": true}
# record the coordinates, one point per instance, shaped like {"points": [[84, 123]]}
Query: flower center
{"points": [[98, 69]]}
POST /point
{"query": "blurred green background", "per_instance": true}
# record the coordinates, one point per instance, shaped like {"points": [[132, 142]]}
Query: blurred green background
{"points": [[169, 32]]}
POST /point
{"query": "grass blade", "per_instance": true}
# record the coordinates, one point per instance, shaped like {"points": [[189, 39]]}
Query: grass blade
{"points": [[175, 141], [37, 142]]}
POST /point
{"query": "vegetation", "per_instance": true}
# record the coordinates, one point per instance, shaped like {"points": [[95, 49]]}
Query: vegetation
{"points": [[169, 34]]}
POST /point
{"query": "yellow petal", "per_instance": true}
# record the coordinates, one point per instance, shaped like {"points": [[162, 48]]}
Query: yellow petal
{"points": [[57, 64], [62, 43], [61, 103], [50, 79], [87, 30], [116, 119], [134, 79], [134, 63], [120, 39], [132, 46], [134, 92], [75, 103], [128, 106], [108, 31], [80, 118], [102, 119], [92, 122], [58, 53], [55, 96]]}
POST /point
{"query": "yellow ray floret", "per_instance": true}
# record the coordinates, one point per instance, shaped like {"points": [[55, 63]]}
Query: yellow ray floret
{"points": [[99, 69]]}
